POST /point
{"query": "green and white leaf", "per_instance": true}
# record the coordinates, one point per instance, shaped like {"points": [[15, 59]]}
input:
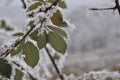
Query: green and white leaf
{"points": [[18, 34], [57, 19], [42, 40], [35, 5], [62, 4], [5, 68], [18, 75], [51, 1], [57, 42], [31, 54], [31, 24], [109, 78], [34, 35], [58, 31], [19, 48]]}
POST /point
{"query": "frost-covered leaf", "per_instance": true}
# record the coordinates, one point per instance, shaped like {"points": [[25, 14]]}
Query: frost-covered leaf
{"points": [[4, 25], [35, 5], [34, 35], [41, 40], [62, 4], [58, 31], [31, 54], [109, 78], [5, 68], [51, 1], [18, 34], [8, 28], [57, 19], [18, 75], [31, 24], [57, 42], [19, 48]]}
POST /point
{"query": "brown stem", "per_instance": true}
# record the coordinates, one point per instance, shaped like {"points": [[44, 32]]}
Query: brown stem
{"points": [[116, 7], [24, 4], [30, 76], [7, 52], [54, 64]]}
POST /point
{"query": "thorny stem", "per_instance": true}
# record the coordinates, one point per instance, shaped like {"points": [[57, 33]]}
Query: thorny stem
{"points": [[116, 7], [54, 64]]}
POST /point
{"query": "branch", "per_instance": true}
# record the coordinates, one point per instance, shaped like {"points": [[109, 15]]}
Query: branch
{"points": [[24, 4], [54, 64], [48, 8], [116, 7], [101, 8], [8, 51], [30, 76]]}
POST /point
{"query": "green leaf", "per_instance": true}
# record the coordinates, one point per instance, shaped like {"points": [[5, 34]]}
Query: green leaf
{"points": [[31, 54], [41, 40], [5, 68], [3, 24], [62, 4], [31, 24], [58, 31], [18, 75], [35, 5], [57, 42], [19, 48], [8, 28], [1, 78], [34, 35], [51, 1], [18, 34], [57, 19], [109, 78]]}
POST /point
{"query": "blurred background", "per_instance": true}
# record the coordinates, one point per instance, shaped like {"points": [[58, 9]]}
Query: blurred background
{"points": [[93, 45]]}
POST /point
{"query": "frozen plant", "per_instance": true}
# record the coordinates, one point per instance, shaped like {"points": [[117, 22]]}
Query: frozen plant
{"points": [[44, 41]]}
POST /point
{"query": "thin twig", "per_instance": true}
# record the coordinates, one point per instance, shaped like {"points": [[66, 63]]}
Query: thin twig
{"points": [[54, 64], [116, 7], [31, 76], [24, 4], [7, 52]]}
